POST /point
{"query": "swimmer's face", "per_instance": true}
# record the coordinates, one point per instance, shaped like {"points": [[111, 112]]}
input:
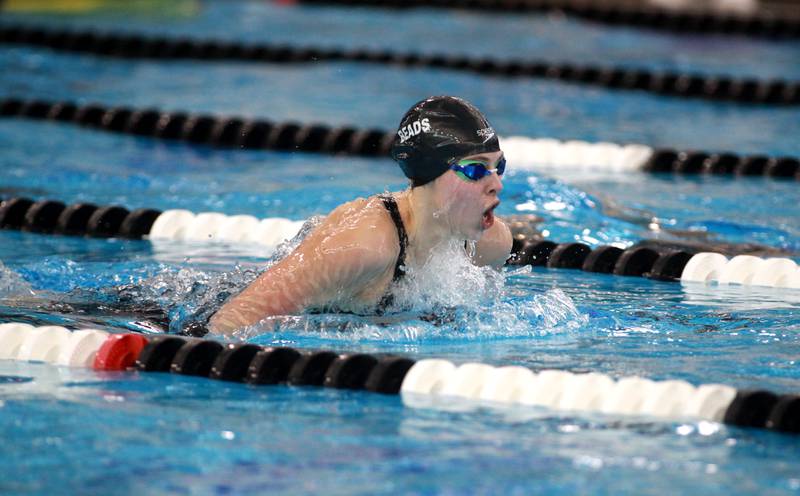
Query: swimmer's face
{"points": [[469, 204]]}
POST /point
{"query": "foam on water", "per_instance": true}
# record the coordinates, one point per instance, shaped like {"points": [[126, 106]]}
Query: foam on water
{"points": [[448, 297], [12, 284], [192, 294], [551, 314], [187, 294]]}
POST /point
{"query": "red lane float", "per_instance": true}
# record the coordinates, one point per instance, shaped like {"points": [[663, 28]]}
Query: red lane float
{"points": [[119, 352]]}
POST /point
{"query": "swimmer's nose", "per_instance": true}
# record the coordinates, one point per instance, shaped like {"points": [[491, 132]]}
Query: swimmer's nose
{"points": [[494, 184]]}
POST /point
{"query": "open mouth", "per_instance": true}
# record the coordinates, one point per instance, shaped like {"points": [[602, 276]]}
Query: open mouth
{"points": [[488, 216]]}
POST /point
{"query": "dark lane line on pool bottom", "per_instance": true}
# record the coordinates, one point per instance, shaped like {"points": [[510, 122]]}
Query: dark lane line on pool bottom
{"points": [[684, 85], [700, 21]]}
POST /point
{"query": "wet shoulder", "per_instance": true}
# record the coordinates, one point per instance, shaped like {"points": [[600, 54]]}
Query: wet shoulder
{"points": [[359, 213], [364, 225]]}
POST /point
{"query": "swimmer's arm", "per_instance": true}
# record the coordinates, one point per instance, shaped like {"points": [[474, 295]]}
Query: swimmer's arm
{"points": [[322, 269], [270, 294], [494, 247]]}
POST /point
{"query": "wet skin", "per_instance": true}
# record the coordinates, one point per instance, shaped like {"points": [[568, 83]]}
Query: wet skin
{"points": [[347, 262]]}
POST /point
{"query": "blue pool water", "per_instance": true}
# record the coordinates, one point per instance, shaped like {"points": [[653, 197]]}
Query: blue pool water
{"points": [[345, 94], [477, 34], [70, 431]]}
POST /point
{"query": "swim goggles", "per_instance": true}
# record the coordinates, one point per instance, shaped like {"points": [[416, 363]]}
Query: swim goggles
{"points": [[473, 170]]}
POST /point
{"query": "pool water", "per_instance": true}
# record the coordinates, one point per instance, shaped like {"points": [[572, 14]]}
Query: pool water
{"points": [[69, 431]]}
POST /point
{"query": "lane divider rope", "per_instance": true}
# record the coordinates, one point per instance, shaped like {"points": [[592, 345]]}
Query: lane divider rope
{"points": [[215, 131], [678, 84], [53, 217], [664, 265], [542, 154], [212, 226], [761, 24], [417, 381], [746, 270], [525, 153]]}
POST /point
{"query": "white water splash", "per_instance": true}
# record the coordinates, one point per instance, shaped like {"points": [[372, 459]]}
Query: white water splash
{"points": [[449, 298], [288, 246], [188, 294], [12, 284], [448, 278], [550, 314]]}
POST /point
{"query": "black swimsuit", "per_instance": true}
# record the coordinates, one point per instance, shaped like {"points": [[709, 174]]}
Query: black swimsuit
{"points": [[443, 316], [399, 267]]}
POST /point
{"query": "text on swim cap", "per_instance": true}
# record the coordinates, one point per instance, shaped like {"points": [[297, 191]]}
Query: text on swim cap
{"points": [[413, 129], [486, 132]]}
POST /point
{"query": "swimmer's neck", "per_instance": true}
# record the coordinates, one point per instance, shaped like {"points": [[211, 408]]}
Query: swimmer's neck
{"points": [[426, 226]]}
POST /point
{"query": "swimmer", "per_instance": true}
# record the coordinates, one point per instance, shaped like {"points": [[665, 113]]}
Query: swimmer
{"points": [[352, 260]]}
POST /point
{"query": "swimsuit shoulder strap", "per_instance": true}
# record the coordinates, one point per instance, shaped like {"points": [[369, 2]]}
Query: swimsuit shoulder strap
{"points": [[391, 205]]}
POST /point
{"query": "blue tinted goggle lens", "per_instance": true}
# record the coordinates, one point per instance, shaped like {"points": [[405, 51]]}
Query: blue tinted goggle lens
{"points": [[477, 170]]}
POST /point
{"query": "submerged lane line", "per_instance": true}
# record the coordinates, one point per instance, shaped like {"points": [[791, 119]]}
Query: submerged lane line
{"points": [[674, 84]]}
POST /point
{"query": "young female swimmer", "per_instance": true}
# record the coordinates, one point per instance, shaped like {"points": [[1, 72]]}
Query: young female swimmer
{"points": [[352, 260]]}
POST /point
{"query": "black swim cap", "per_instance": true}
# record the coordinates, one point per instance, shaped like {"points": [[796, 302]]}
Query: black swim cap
{"points": [[437, 131]]}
